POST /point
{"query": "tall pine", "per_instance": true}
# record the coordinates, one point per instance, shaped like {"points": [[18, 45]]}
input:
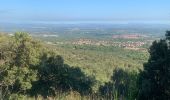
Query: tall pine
{"points": [[154, 81]]}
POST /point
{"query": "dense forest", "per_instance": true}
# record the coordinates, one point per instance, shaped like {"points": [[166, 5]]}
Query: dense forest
{"points": [[31, 69]]}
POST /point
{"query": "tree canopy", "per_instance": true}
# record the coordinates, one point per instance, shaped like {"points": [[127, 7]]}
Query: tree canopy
{"points": [[154, 81], [26, 68]]}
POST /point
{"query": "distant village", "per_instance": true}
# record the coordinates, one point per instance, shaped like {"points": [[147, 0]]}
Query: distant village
{"points": [[129, 44], [132, 45]]}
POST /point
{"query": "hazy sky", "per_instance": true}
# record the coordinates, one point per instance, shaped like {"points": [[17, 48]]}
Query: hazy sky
{"points": [[84, 10]]}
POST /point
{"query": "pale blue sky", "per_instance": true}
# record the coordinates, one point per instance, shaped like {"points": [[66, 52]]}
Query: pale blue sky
{"points": [[84, 10]]}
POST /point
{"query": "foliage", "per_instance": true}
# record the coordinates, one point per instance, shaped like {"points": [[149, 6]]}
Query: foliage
{"points": [[155, 78], [29, 68], [55, 75], [100, 61], [21, 59], [122, 85]]}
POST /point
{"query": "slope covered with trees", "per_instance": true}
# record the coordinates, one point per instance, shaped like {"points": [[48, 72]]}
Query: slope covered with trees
{"points": [[29, 69], [32, 69]]}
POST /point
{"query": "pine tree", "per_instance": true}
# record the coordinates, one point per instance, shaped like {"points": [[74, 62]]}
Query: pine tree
{"points": [[154, 81]]}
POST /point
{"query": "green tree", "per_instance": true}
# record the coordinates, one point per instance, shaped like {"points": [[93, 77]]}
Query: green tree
{"points": [[122, 85], [154, 81], [56, 76], [22, 57]]}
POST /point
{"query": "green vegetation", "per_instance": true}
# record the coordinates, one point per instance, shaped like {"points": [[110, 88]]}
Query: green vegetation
{"points": [[122, 85], [30, 69], [154, 81], [100, 61]]}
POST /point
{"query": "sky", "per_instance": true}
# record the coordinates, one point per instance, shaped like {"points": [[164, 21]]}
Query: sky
{"points": [[84, 10]]}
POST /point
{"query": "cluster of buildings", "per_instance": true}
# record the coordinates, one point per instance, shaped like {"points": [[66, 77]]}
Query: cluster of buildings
{"points": [[128, 44], [127, 36]]}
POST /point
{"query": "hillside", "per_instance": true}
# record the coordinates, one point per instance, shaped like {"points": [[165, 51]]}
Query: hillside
{"points": [[95, 62]]}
